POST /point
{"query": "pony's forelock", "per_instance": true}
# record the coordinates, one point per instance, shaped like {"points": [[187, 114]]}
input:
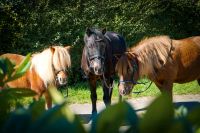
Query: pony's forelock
{"points": [[47, 61], [61, 58], [122, 64]]}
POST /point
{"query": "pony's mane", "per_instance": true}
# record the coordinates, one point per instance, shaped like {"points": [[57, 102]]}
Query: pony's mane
{"points": [[152, 53], [46, 61]]}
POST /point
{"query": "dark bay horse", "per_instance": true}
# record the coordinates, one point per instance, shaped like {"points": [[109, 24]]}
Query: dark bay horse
{"points": [[163, 60], [48, 69], [99, 57]]}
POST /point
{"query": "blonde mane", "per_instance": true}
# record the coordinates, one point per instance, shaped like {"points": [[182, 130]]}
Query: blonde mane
{"points": [[151, 53], [47, 62]]}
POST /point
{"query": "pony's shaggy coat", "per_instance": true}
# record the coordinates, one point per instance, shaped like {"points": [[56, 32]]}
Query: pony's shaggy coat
{"points": [[163, 60], [42, 72]]}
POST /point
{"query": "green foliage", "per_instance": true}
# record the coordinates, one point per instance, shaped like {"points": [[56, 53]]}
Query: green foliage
{"points": [[10, 72], [159, 117], [10, 97], [27, 26], [113, 117]]}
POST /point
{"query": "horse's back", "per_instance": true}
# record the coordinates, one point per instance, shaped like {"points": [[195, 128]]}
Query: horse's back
{"points": [[188, 55], [117, 42], [15, 58]]}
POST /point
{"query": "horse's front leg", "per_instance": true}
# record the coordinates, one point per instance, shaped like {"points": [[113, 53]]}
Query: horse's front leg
{"points": [[48, 100], [166, 87], [93, 95], [107, 91]]}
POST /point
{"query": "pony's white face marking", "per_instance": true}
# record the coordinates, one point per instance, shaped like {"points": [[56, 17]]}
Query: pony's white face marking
{"points": [[49, 63]]}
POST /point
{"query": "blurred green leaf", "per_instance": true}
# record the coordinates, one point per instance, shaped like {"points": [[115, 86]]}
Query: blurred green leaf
{"points": [[18, 122], [110, 119], [57, 116], [159, 116], [36, 109], [6, 69], [18, 92], [21, 68], [194, 117], [56, 95]]}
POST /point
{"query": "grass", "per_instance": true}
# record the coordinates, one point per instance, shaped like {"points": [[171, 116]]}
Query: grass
{"points": [[80, 92]]}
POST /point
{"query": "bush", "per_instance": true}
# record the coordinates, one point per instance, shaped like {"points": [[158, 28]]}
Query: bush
{"points": [[29, 26]]}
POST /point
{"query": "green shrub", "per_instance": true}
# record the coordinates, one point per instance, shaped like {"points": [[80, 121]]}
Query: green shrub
{"points": [[31, 26]]}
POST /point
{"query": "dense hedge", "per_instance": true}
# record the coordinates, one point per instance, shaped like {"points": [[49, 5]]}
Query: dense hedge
{"points": [[32, 25]]}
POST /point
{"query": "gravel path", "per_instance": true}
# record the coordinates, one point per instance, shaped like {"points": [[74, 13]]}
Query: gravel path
{"points": [[137, 103]]}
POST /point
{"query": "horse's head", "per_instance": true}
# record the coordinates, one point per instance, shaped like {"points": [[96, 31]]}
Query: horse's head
{"points": [[127, 70], [95, 43], [61, 63]]}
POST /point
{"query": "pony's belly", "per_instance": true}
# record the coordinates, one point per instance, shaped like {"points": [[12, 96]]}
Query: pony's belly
{"points": [[187, 78]]}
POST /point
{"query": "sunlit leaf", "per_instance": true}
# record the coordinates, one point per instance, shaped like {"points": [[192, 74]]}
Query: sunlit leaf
{"points": [[56, 95]]}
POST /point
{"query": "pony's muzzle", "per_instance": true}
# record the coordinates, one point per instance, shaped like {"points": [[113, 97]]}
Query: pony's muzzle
{"points": [[97, 68], [124, 89], [62, 81], [61, 78]]}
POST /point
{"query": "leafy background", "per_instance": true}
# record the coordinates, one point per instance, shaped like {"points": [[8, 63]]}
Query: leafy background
{"points": [[32, 25]]}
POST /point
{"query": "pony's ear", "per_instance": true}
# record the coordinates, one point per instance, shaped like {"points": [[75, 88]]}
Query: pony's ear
{"points": [[103, 31], [52, 49], [68, 48], [88, 31]]}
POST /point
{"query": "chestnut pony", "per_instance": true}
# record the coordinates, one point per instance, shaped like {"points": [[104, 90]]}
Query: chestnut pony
{"points": [[163, 60], [48, 69]]}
